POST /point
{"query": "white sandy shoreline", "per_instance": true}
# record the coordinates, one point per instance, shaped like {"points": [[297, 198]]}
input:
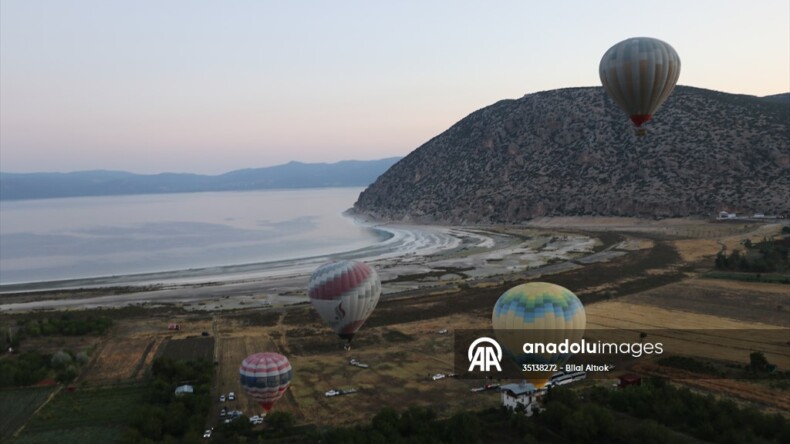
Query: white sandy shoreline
{"points": [[397, 240], [410, 251]]}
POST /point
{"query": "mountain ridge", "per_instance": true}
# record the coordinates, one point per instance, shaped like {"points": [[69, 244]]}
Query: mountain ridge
{"points": [[573, 152], [347, 173]]}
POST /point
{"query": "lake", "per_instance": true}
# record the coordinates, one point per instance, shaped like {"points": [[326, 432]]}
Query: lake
{"points": [[84, 237]]}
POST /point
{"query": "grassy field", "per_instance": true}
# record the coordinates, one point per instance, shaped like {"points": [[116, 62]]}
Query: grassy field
{"points": [[708, 318], [725, 301], [93, 415], [401, 363], [16, 406]]}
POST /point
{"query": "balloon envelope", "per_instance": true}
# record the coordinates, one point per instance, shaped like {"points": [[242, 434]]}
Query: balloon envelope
{"points": [[639, 74], [344, 293], [538, 312], [265, 377]]}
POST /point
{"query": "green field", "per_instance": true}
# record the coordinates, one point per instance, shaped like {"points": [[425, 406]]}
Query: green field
{"points": [[85, 416], [16, 406]]}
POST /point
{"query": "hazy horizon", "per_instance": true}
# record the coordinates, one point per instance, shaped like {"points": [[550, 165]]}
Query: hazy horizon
{"points": [[190, 172], [197, 87]]}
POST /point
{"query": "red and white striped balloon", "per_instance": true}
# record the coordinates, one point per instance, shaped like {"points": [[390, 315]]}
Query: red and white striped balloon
{"points": [[344, 293], [265, 377]]}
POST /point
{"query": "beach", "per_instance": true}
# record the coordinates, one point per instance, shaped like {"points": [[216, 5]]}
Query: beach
{"points": [[410, 258]]}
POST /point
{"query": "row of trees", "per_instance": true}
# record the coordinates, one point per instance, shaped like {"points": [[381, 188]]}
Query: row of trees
{"points": [[66, 324], [414, 425], [763, 257], [703, 417], [31, 367], [654, 413]]}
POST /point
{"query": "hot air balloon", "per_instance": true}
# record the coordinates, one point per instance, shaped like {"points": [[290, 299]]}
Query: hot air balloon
{"points": [[538, 312], [344, 293], [639, 74], [265, 377]]}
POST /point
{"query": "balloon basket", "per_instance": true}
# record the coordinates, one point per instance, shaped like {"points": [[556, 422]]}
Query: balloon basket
{"points": [[347, 347], [640, 132]]}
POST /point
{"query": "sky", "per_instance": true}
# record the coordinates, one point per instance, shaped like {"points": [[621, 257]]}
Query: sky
{"points": [[152, 86]]}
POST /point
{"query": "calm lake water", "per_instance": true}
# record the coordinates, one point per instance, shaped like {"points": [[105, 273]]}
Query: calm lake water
{"points": [[53, 239]]}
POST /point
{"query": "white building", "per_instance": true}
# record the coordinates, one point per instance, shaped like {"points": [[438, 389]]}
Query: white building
{"points": [[184, 390], [522, 394]]}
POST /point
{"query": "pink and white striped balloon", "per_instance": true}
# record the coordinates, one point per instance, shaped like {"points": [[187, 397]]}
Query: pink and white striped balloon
{"points": [[344, 293]]}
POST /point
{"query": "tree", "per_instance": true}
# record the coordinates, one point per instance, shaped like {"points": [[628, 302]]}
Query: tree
{"points": [[722, 261], [386, 422], [758, 362], [60, 360], [151, 425], [175, 422], [464, 427], [68, 374], [82, 358]]}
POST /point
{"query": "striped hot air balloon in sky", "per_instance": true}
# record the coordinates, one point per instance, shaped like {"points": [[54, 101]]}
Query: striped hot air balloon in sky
{"points": [[344, 293], [538, 312], [639, 74], [265, 377]]}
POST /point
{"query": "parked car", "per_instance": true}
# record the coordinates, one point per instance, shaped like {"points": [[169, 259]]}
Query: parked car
{"points": [[231, 396], [438, 376], [207, 433], [222, 398], [256, 420], [223, 412], [332, 392]]}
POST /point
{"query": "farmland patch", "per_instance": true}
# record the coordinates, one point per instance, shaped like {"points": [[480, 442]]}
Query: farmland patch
{"points": [[17, 405], [189, 348], [92, 415]]}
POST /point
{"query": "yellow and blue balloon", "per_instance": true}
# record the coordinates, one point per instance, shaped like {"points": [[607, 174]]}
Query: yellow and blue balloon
{"points": [[538, 312]]}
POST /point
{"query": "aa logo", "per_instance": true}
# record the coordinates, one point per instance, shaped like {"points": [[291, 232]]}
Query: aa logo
{"points": [[484, 353]]}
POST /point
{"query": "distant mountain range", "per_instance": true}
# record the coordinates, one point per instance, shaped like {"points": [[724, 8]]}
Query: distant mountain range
{"points": [[349, 173], [572, 152]]}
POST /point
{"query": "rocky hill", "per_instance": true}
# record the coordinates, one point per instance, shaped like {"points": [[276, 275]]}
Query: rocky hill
{"points": [[573, 152]]}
